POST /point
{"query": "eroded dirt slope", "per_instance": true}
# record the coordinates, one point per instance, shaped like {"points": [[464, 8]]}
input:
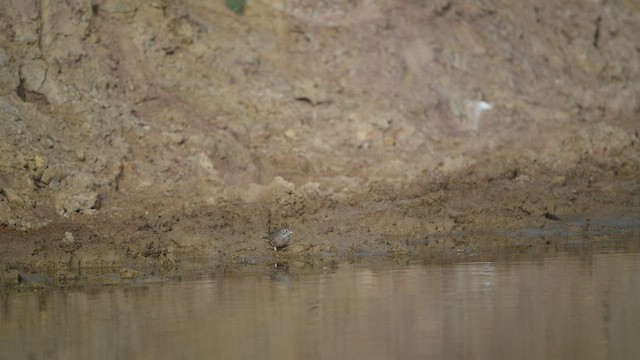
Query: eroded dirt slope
{"points": [[147, 131]]}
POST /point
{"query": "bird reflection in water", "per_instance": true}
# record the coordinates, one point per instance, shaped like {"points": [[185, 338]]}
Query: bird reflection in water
{"points": [[281, 273]]}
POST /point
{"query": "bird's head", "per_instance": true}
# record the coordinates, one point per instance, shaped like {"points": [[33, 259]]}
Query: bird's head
{"points": [[286, 233]]}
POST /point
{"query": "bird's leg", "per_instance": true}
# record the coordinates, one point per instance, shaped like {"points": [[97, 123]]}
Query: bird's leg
{"points": [[276, 250]]}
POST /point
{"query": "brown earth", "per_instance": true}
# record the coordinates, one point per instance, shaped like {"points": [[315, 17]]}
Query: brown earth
{"points": [[146, 132]]}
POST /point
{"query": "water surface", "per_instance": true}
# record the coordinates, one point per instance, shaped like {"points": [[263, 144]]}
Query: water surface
{"points": [[571, 305]]}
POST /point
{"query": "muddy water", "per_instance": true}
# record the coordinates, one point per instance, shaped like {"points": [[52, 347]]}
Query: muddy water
{"points": [[575, 304]]}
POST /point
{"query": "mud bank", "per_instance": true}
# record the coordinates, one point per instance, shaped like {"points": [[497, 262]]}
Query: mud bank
{"points": [[461, 221], [524, 245], [148, 132]]}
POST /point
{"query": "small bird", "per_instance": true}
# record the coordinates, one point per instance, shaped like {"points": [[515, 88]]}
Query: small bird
{"points": [[279, 239]]}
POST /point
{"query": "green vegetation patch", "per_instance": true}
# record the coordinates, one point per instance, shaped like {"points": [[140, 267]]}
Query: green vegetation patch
{"points": [[237, 6]]}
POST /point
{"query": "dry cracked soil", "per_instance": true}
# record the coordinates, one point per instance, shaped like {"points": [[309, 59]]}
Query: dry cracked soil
{"points": [[146, 133]]}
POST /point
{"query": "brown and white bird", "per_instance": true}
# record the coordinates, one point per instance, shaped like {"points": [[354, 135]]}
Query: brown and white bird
{"points": [[279, 239]]}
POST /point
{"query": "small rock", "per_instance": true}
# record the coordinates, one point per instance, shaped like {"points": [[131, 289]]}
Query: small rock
{"points": [[177, 139], [25, 34], [290, 133], [68, 238], [128, 273], [51, 176], [4, 58], [382, 123], [85, 203], [37, 163], [13, 197], [34, 74], [80, 155]]}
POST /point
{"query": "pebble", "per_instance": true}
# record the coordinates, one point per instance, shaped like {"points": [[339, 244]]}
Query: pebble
{"points": [[13, 197], [68, 238]]}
